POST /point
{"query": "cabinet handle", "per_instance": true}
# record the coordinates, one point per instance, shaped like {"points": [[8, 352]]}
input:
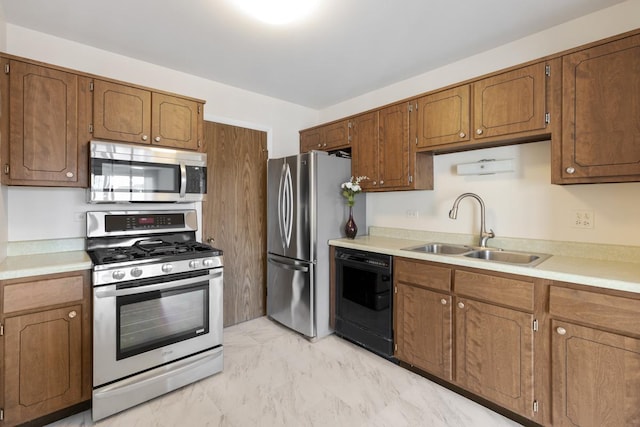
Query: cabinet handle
{"points": [[479, 131], [72, 314], [324, 145], [69, 174], [381, 182], [560, 330], [460, 304], [145, 137], [156, 139], [462, 134], [443, 301], [570, 170], [210, 239], [374, 183]]}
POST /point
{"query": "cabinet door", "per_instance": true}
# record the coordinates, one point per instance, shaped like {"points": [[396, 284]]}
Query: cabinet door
{"points": [[42, 363], [596, 377], [601, 110], [423, 329], [43, 127], [336, 136], [394, 147], [121, 113], [364, 149], [174, 122], [443, 117], [311, 140], [494, 354], [510, 103]]}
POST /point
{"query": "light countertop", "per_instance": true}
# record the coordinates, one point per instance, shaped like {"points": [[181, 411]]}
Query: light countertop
{"points": [[35, 258], [604, 273]]}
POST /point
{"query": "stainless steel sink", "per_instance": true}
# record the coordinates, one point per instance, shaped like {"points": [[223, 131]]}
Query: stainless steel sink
{"points": [[526, 259], [440, 248], [522, 258]]}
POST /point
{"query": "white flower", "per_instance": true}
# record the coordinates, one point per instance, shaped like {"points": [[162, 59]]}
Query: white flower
{"points": [[351, 188]]}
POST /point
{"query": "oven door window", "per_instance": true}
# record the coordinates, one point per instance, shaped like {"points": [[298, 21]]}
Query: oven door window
{"points": [[155, 319], [126, 176]]}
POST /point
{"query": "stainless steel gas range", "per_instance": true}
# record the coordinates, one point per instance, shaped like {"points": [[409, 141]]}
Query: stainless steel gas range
{"points": [[157, 304]]}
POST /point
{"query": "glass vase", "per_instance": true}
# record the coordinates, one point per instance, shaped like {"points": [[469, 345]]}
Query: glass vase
{"points": [[350, 228]]}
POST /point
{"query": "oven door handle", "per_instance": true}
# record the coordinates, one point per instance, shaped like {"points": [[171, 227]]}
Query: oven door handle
{"points": [[111, 291]]}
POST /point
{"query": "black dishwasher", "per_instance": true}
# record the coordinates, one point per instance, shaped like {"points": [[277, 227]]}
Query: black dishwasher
{"points": [[364, 299]]}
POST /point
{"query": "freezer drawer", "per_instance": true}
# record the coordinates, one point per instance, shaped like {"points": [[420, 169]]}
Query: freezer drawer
{"points": [[290, 293]]}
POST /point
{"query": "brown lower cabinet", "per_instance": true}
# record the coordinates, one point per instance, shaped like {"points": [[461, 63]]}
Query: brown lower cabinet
{"points": [[558, 354], [46, 347], [595, 357]]}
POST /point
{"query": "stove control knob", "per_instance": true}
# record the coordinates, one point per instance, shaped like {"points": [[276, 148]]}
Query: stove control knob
{"points": [[194, 264], [118, 274], [136, 272], [166, 268], [207, 262]]}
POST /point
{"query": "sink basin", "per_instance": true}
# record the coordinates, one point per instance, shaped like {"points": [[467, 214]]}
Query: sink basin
{"points": [[440, 248], [525, 259], [522, 258]]}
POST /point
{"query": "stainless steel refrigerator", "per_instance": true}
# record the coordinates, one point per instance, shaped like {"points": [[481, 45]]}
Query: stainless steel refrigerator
{"points": [[305, 209]]}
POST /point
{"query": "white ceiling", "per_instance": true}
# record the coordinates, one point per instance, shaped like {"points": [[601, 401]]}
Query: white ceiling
{"points": [[348, 48]]}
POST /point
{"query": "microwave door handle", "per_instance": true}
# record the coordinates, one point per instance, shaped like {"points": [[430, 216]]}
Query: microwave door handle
{"points": [[183, 180]]}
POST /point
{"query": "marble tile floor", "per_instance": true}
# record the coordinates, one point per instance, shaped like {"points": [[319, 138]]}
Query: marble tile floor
{"points": [[274, 377]]}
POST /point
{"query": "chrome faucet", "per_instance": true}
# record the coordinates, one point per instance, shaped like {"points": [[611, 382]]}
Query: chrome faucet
{"points": [[484, 235]]}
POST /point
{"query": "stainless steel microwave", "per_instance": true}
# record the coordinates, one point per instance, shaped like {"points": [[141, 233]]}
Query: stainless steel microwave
{"points": [[125, 173]]}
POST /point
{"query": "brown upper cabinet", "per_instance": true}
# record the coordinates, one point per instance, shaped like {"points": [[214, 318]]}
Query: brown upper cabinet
{"points": [[47, 125], [600, 139], [386, 155], [334, 136], [131, 114], [509, 106]]}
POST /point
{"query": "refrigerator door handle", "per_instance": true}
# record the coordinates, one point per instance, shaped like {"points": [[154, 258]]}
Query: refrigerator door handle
{"points": [[285, 205], [289, 266]]}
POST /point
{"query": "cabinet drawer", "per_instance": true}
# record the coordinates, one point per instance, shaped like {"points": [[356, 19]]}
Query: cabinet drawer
{"points": [[422, 274], [501, 290], [42, 293], [607, 311]]}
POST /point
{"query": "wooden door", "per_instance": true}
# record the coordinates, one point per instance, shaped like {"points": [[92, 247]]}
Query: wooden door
{"points": [[443, 117], [423, 329], [510, 103], [494, 354], [596, 377], [365, 160], [394, 146], [234, 215], [46, 107], [174, 121], [121, 113], [43, 363], [601, 110]]}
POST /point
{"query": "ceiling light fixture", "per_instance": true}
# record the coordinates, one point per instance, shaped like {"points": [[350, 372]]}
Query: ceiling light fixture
{"points": [[277, 12]]}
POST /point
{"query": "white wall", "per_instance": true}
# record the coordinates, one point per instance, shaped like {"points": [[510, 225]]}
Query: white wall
{"points": [[520, 204], [30, 209]]}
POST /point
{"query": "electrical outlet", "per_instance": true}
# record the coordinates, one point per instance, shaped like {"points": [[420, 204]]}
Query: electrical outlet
{"points": [[412, 214], [582, 219]]}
